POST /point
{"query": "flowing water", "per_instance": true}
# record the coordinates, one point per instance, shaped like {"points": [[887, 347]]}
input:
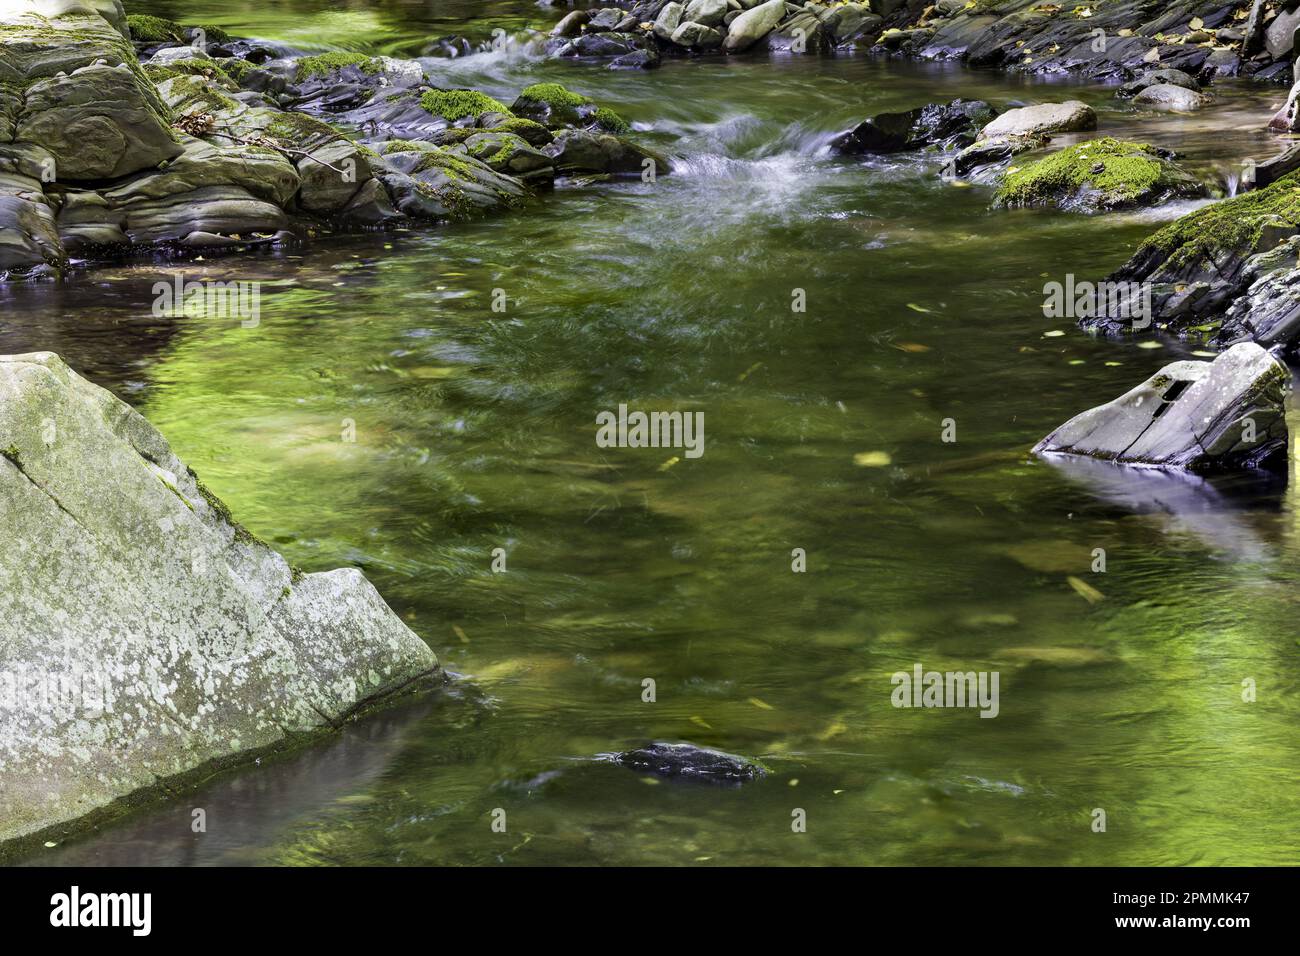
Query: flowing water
{"points": [[475, 430]]}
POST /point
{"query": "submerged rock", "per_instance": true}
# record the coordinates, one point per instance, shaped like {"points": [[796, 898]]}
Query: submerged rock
{"points": [[1156, 78], [1204, 417], [942, 125], [1099, 176], [146, 634], [690, 763]]}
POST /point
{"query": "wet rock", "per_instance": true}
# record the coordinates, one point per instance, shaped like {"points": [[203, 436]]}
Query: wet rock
{"points": [[688, 762], [752, 25], [1099, 176], [801, 33], [852, 23], [29, 240], [593, 45], [982, 156], [553, 105], [571, 25], [443, 183], [646, 58], [944, 125], [1224, 415], [177, 637], [509, 153], [1045, 118], [1170, 97], [1287, 119], [1268, 313], [1157, 77], [584, 151]]}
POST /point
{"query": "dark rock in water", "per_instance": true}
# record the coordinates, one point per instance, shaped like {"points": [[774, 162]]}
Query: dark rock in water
{"points": [[1269, 312], [584, 151], [691, 763], [944, 125], [985, 154], [1225, 415]]}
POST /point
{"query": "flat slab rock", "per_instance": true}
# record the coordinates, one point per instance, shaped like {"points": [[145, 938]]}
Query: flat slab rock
{"points": [[145, 633], [1203, 417], [689, 762]]}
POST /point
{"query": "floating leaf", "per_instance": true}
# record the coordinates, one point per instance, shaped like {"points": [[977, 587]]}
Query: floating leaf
{"points": [[917, 308], [760, 704], [1085, 590], [872, 459]]}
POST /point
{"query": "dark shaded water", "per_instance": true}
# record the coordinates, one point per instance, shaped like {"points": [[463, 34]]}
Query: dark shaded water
{"points": [[475, 431]]}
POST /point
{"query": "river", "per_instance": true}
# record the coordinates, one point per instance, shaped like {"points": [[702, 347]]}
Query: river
{"points": [[474, 430]]}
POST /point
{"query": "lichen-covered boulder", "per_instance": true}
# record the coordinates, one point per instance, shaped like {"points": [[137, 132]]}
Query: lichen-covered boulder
{"points": [[1099, 176], [1205, 417], [146, 634]]}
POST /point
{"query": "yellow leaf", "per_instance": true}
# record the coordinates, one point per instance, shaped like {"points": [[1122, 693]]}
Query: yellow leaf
{"points": [[1085, 590], [760, 704], [669, 463], [872, 459], [700, 721], [464, 638], [834, 729], [916, 308]]}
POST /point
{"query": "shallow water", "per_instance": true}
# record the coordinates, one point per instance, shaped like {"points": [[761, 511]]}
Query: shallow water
{"points": [[475, 431]]}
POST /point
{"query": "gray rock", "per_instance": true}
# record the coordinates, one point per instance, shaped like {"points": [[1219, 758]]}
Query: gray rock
{"points": [[1067, 117], [852, 22], [1224, 415], [707, 12], [669, 19], [1169, 97], [752, 25], [511, 154], [801, 33], [690, 763], [1279, 38], [1155, 77], [572, 24], [1287, 119], [435, 183], [172, 639], [696, 36], [29, 239]]}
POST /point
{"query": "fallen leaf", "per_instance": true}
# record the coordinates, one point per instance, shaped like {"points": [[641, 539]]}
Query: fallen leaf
{"points": [[1085, 590], [872, 459]]}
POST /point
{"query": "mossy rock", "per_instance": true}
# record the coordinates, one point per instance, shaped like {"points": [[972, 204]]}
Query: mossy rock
{"points": [[556, 106], [324, 64], [1098, 175], [453, 105], [147, 29], [1235, 226], [159, 72]]}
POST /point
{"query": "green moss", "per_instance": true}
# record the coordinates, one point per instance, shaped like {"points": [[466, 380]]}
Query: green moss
{"points": [[1234, 224], [190, 94], [553, 94], [237, 69], [529, 130], [610, 121], [1123, 172], [215, 34], [148, 29], [302, 130], [452, 105], [242, 534], [404, 146], [326, 63], [206, 68], [439, 159], [11, 453]]}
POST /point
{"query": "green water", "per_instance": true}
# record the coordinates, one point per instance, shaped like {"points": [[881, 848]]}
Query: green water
{"points": [[475, 430]]}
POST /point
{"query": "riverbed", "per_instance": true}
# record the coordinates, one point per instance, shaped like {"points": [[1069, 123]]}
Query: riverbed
{"points": [[474, 431]]}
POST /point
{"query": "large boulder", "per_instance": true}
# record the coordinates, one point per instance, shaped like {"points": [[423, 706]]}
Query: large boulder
{"points": [[1224, 415], [752, 25], [944, 125], [146, 634], [1045, 118], [75, 88], [584, 151]]}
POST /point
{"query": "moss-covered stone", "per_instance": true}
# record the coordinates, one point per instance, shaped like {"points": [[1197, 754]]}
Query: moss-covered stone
{"points": [[1098, 175], [1234, 225], [149, 29], [326, 63], [554, 94], [237, 69], [453, 105], [610, 121], [159, 72], [557, 106]]}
